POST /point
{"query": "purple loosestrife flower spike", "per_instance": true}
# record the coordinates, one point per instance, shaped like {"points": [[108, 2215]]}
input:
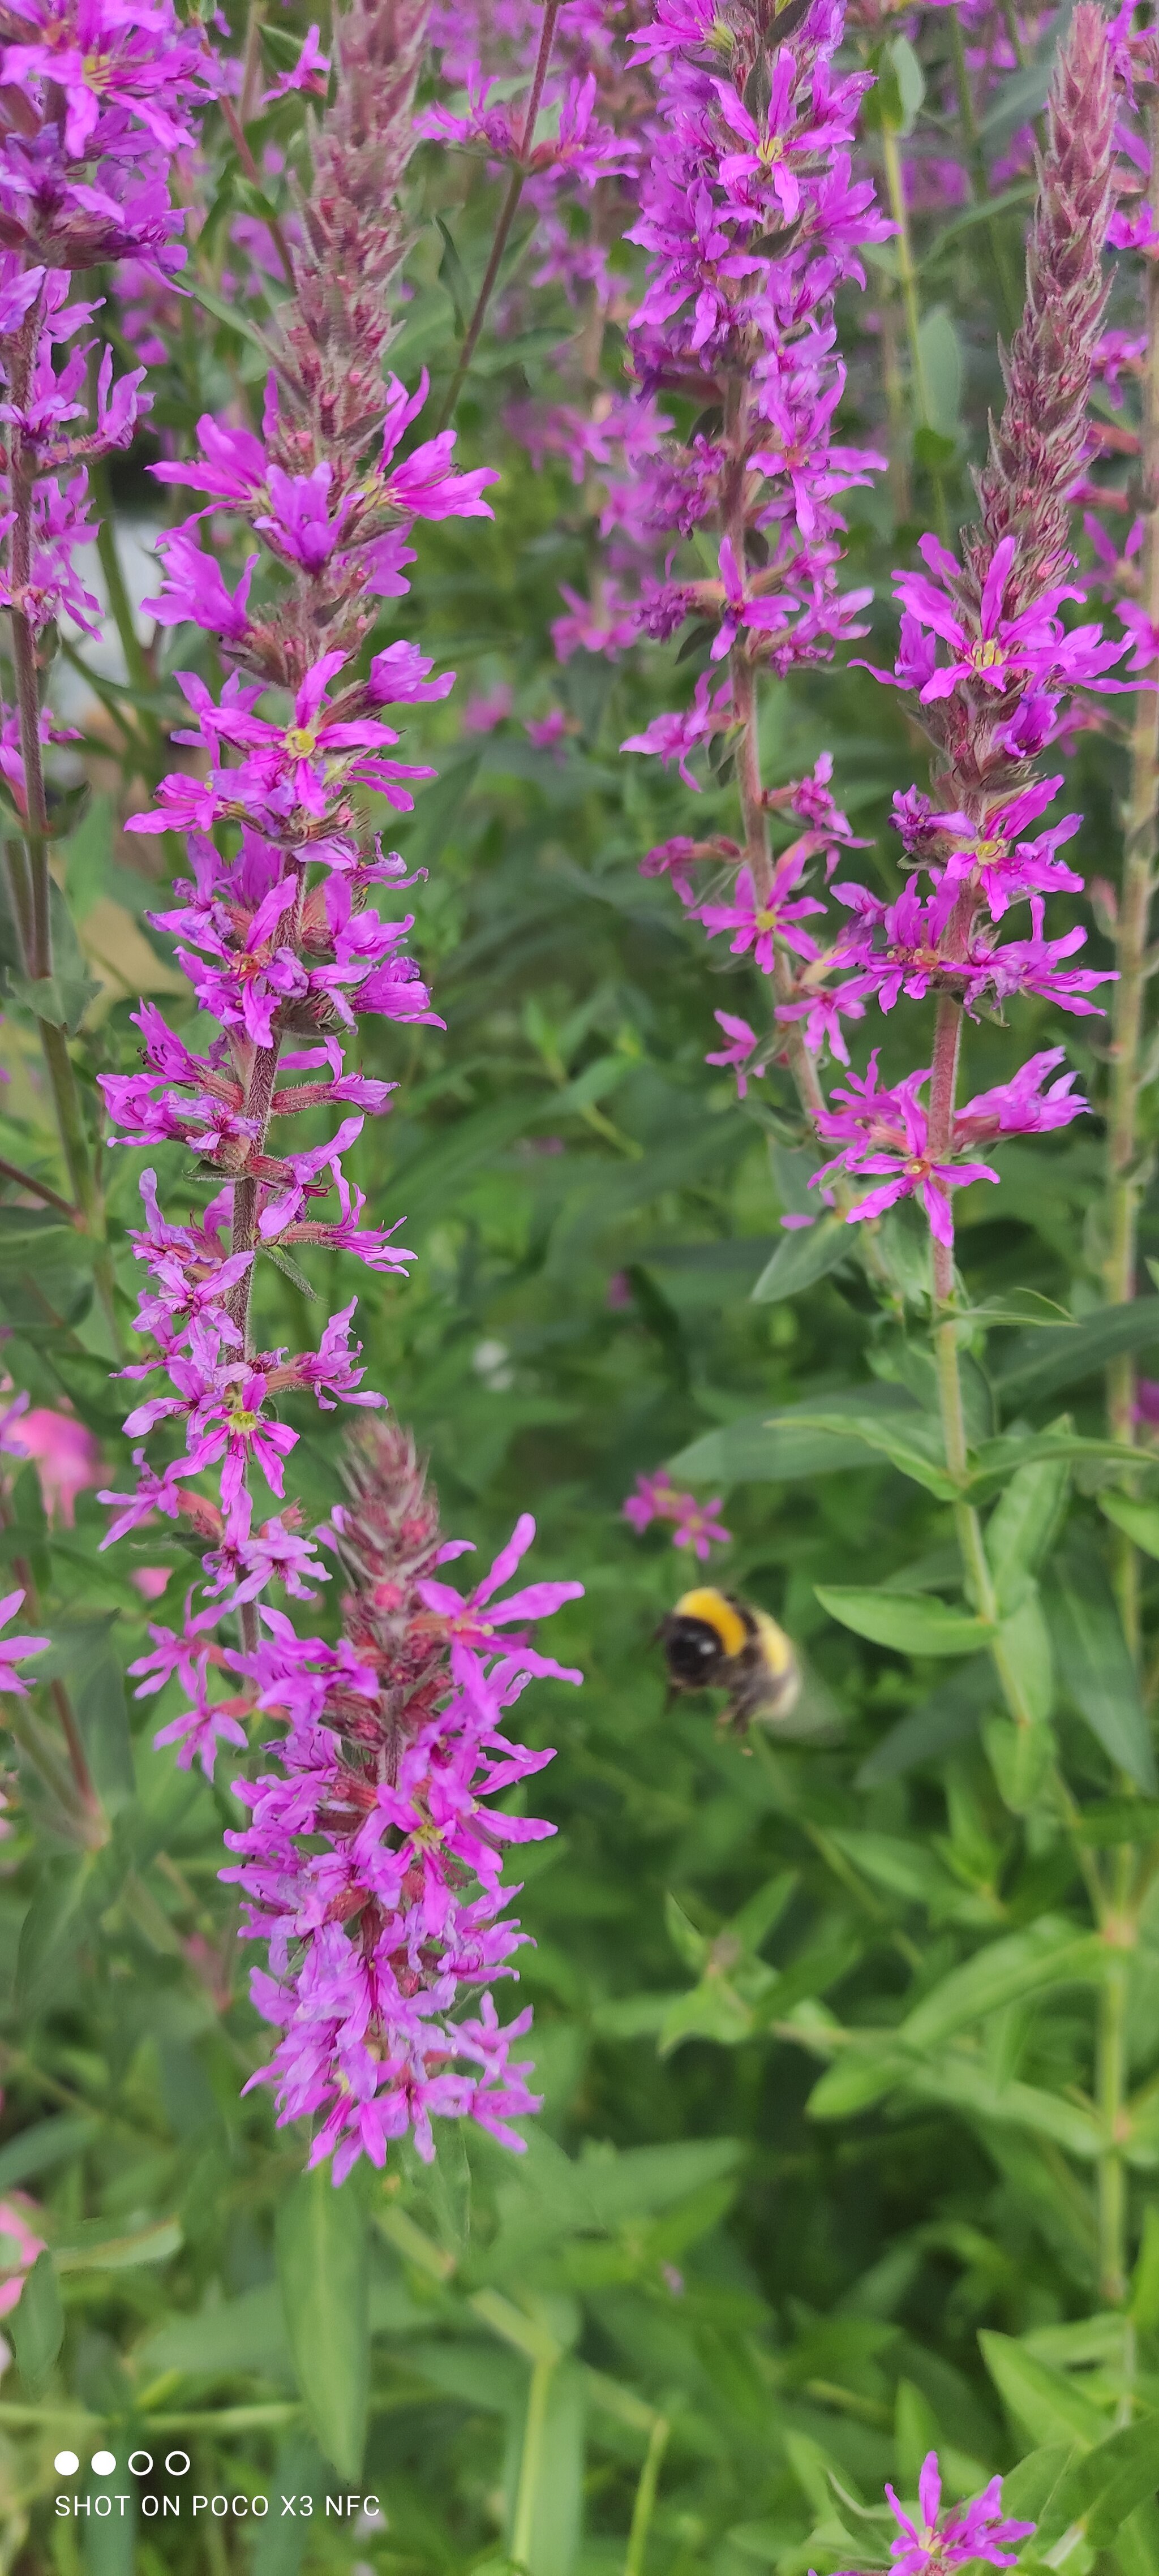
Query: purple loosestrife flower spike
{"points": [[370, 1864]]}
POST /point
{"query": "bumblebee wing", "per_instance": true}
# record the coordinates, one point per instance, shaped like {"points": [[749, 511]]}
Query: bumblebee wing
{"points": [[814, 1717]]}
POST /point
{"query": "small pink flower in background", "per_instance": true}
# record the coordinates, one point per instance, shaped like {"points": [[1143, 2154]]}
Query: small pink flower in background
{"points": [[482, 714], [13, 1649], [19, 2247], [150, 1580], [741, 1042], [68, 1459], [618, 1293], [311, 72], [547, 732], [656, 1499], [1147, 1402]]}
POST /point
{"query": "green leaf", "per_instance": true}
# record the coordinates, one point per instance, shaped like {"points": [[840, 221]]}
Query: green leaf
{"points": [[1020, 1758], [1118, 1820], [91, 2247], [320, 2237], [916, 1623], [66, 1899], [1139, 1520], [895, 100], [1027, 2489], [1044, 2401], [1025, 1654], [36, 2325], [1096, 1666], [437, 809], [763, 1448], [1023, 1523], [47, 2143], [940, 354], [912, 1444], [1018, 101], [1064, 1354], [948, 1717], [223, 311], [1100, 2490], [1145, 2283], [1048, 1953], [984, 213], [289, 1268], [802, 1258], [853, 2085]]}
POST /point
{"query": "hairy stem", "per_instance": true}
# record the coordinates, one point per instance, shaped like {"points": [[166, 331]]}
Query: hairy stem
{"points": [[1125, 1179]]}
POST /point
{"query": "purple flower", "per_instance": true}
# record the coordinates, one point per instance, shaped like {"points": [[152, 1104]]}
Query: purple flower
{"points": [[757, 921], [886, 1134], [14, 1649], [656, 1498], [738, 1052], [977, 2530]]}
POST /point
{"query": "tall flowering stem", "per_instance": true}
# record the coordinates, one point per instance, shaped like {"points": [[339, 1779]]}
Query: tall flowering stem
{"points": [[83, 182], [1132, 929], [750, 217], [394, 1736]]}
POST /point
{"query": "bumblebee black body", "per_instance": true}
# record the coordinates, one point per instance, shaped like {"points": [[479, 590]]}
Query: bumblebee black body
{"points": [[713, 1641]]}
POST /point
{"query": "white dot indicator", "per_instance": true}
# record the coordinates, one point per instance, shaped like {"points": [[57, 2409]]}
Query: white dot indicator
{"points": [[66, 2464], [104, 2463]]}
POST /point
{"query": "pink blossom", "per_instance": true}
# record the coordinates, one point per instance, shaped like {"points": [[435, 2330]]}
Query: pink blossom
{"points": [[68, 1459]]}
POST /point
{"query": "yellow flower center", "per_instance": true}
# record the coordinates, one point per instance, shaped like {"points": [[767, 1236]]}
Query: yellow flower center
{"points": [[765, 920], [985, 656], [984, 850], [300, 742], [240, 1420]]}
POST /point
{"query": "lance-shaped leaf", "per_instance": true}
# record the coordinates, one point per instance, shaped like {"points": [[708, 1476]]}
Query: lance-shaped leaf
{"points": [[1096, 1667], [1048, 1953], [1103, 2487], [916, 1623], [323, 2270]]}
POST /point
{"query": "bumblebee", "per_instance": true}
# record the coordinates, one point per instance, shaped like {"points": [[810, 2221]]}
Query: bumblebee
{"points": [[713, 1641]]}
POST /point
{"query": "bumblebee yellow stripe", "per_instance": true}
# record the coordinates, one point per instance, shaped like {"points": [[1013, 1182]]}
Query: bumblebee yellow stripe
{"points": [[717, 1613]]}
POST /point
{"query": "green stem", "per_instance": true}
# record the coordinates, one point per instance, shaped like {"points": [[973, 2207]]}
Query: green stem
{"points": [[108, 551], [1111, 2072], [1008, 286], [908, 279], [539, 2390], [645, 2504], [506, 216], [89, 1197], [1126, 1180], [976, 1568]]}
